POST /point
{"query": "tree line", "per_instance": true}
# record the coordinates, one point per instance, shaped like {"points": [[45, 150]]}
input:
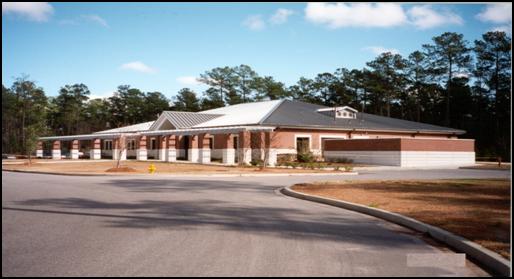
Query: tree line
{"points": [[448, 81]]}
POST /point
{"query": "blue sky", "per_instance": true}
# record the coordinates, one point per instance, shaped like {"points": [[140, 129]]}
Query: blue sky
{"points": [[164, 46]]}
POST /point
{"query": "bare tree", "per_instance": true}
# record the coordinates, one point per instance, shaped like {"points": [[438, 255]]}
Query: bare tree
{"points": [[259, 140], [122, 147]]}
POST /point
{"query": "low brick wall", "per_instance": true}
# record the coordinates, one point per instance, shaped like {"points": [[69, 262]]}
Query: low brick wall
{"points": [[403, 151]]}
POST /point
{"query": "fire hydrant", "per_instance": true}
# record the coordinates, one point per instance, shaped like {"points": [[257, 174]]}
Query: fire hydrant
{"points": [[151, 168]]}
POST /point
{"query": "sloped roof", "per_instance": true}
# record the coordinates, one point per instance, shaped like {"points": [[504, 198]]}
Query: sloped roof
{"points": [[184, 119], [132, 128], [240, 114], [281, 113], [300, 114]]}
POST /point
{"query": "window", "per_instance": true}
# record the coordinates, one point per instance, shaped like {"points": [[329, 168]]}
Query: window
{"points": [[108, 145], [153, 143], [131, 144], [302, 144]]}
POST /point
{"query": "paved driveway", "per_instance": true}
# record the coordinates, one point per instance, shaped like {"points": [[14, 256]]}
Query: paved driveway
{"points": [[143, 225]]}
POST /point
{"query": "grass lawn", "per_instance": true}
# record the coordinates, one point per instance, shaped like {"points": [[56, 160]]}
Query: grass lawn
{"points": [[478, 210], [88, 166]]}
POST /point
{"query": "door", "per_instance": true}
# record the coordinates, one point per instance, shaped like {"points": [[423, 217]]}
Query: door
{"points": [[235, 143], [186, 147]]}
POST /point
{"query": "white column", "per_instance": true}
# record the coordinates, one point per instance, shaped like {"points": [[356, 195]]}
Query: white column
{"points": [[74, 154], [56, 154], [96, 152], [74, 150], [172, 154], [228, 156], [245, 149], [205, 156], [205, 150], [39, 150], [56, 150], [272, 157], [246, 155], [142, 154], [193, 155]]}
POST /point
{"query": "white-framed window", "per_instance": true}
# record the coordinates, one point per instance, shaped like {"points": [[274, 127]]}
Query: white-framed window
{"points": [[302, 143]]}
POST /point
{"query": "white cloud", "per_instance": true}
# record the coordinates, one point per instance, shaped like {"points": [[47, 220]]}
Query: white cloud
{"points": [[340, 15], [138, 66], [104, 95], [96, 19], [35, 11], [280, 16], [254, 22], [188, 80], [424, 17], [377, 50], [496, 13]]}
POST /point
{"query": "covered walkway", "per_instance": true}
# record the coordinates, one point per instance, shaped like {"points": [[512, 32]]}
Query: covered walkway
{"points": [[230, 145]]}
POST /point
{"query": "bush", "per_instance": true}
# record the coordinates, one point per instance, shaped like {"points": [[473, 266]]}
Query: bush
{"points": [[294, 164], [256, 163], [306, 157], [348, 168], [342, 160], [283, 158]]}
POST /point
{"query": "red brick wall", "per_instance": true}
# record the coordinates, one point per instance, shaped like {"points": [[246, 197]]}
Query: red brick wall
{"points": [[285, 138], [401, 144]]}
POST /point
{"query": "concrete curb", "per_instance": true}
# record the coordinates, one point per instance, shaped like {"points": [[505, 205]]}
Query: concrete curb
{"points": [[485, 257], [189, 175], [54, 173]]}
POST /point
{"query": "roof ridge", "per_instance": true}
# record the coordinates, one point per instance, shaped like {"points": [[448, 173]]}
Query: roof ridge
{"points": [[271, 111], [195, 112]]}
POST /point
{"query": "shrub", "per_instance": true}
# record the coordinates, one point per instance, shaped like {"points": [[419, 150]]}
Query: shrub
{"points": [[344, 160], [305, 157], [348, 168], [256, 162], [283, 158]]}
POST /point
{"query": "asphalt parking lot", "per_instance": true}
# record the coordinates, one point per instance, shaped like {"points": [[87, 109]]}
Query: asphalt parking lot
{"points": [[203, 226]]}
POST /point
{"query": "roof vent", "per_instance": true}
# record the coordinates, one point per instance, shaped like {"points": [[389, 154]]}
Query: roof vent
{"points": [[340, 112]]}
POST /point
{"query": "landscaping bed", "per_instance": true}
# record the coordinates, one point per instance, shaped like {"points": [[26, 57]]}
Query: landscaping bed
{"points": [[476, 209], [92, 167]]}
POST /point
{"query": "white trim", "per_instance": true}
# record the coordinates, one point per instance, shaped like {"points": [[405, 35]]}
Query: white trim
{"points": [[329, 136], [296, 136]]}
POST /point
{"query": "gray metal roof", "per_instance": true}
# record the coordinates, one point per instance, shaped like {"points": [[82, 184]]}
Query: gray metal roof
{"points": [[126, 129], [300, 114], [183, 119]]}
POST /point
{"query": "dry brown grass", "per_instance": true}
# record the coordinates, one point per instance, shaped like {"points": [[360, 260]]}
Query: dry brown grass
{"points": [[490, 166], [92, 167], [475, 209]]}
